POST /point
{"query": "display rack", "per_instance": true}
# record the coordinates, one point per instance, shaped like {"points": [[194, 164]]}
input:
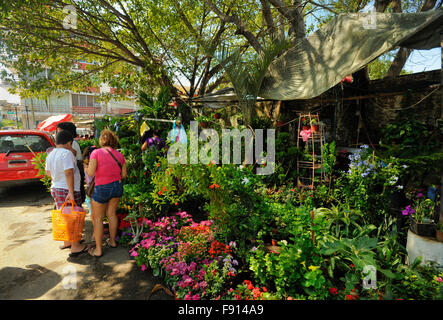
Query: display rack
{"points": [[309, 169]]}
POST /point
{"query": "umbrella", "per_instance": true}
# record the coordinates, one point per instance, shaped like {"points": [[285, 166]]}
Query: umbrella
{"points": [[50, 124]]}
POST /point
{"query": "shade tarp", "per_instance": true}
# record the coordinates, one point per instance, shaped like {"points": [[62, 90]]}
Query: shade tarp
{"points": [[343, 46], [50, 124]]}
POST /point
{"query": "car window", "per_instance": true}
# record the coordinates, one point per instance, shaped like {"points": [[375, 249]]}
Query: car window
{"points": [[19, 143]]}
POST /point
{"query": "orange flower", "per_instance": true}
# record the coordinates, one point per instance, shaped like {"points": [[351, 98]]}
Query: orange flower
{"points": [[157, 164]]}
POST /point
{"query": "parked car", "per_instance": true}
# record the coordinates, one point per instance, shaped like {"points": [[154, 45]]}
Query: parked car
{"points": [[15, 155]]}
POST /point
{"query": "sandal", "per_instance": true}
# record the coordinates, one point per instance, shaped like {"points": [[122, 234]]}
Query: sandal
{"points": [[75, 254], [62, 247], [91, 253], [108, 243]]}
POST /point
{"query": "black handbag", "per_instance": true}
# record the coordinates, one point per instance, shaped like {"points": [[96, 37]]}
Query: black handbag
{"points": [[91, 187]]}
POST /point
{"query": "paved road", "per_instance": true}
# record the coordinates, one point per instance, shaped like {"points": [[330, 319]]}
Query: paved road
{"points": [[33, 267]]}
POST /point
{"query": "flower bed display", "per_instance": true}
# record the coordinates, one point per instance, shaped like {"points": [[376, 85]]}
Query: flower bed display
{"points": [[185, 253]]}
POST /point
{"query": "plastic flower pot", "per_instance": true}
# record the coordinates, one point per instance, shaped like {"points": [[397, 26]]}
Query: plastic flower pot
{"points": [[439, 235], [422, 229]]}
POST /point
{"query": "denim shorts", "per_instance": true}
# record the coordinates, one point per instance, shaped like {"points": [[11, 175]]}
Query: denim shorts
{"points": [[105, 192]]}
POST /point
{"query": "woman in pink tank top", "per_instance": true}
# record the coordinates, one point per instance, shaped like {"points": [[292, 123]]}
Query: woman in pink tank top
{"points": [[109, 167]]}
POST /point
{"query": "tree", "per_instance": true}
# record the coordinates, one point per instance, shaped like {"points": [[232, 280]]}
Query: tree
{"points": [[130, 44]]}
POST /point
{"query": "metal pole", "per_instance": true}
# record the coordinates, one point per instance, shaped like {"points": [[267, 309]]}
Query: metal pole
{"points": [[27, 117], [16, 117]]}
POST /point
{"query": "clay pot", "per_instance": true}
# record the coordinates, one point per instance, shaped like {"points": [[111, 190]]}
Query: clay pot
{"points": [[203, 124]]}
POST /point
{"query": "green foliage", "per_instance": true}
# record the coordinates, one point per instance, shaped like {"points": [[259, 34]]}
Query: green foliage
{"points": [[39, 161], [296, 265]]}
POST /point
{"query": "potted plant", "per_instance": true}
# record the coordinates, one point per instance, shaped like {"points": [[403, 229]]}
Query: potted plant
{"points": [[304, 123], [315, 127], [216, 115], [439, 231], [422, 217], [203, 121]]}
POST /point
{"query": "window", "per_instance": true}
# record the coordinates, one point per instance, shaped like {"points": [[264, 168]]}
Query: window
{"points": [[83, 100], [19, 143]]}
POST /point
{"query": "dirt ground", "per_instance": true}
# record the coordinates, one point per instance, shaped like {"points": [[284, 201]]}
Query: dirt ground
{"points": [[33, 267]]}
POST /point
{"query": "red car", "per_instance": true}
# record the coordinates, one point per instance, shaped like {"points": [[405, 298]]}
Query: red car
{"points": [[15, 157]]}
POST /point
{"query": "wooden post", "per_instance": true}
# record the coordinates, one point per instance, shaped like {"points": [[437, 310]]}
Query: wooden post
{"points": [[439, 123]]}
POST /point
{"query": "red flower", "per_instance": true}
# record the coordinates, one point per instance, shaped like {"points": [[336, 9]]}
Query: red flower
{"points": [[352, 265], [333, 291], [157, 164], [160, 193], [176, 204], [349, 297]]}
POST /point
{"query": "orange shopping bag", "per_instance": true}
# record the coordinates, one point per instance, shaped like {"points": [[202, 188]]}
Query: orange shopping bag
{"points": [[67, 225]]}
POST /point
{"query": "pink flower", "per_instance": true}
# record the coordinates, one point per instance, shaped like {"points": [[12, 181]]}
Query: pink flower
{"points": [[419, 195], [439, 279], [143, 267], [134, 253]]}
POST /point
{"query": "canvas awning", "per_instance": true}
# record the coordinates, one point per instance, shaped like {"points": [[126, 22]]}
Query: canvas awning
{"points": [[345, 45]]}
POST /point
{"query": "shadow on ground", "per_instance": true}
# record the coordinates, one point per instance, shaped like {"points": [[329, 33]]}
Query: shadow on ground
{"points": [[114, 276], [30, 283]]}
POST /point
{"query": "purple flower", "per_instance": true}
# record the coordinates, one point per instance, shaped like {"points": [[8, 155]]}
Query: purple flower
{"points": [[419, 195], [408, 211]]}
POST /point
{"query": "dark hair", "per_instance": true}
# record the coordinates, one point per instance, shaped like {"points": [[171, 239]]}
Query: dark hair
{"points": [[63, 137], [69, 126], [87, 152]]}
